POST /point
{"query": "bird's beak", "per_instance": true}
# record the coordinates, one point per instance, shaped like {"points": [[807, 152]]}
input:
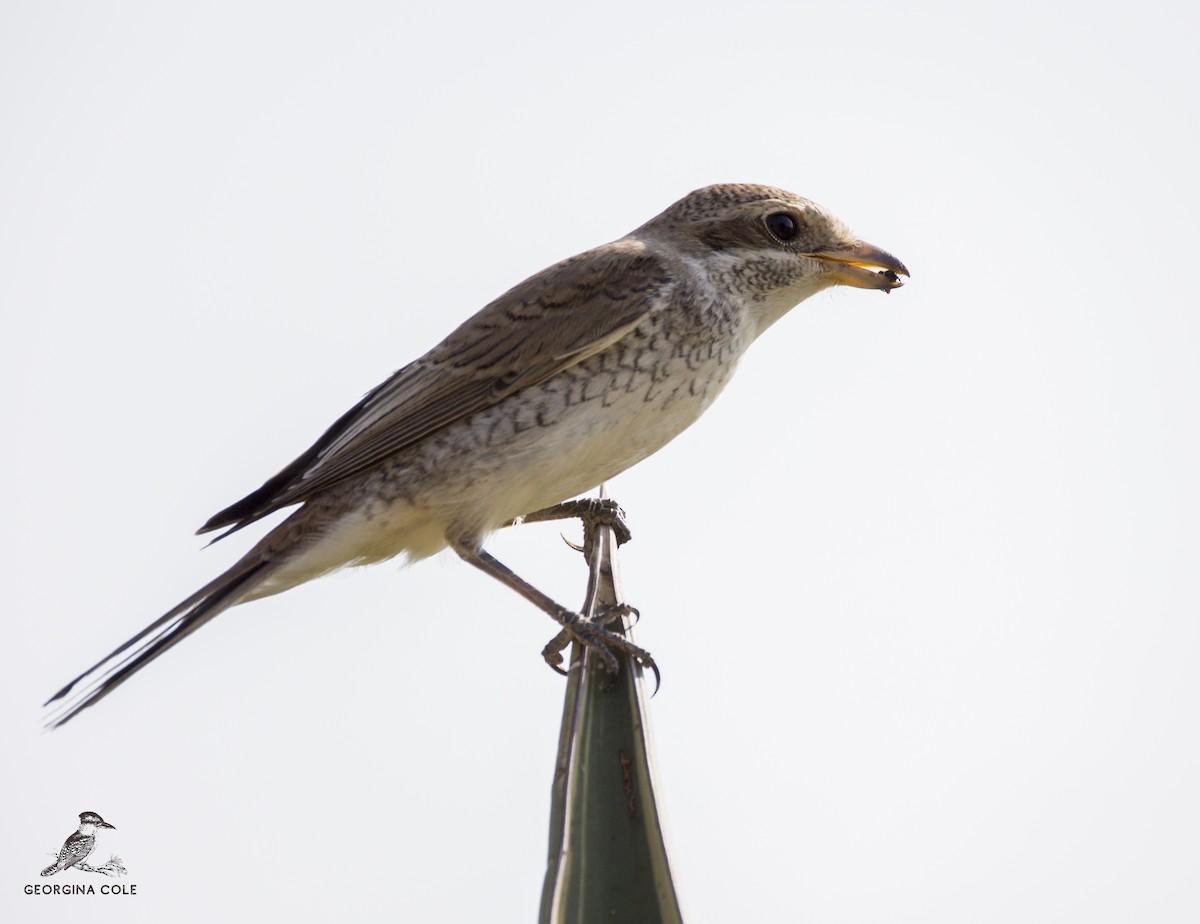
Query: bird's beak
{"points": [[105, 824], [862, 266]]}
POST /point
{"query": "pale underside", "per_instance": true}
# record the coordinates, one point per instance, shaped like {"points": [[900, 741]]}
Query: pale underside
{"points": [[552, 441]]}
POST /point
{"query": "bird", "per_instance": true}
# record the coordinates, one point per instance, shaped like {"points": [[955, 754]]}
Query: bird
{"points": [[79, 845], [567, 379]]}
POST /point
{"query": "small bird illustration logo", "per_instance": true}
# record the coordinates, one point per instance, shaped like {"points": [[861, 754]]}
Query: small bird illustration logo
{"points": [[79, 845], [566, 380]]}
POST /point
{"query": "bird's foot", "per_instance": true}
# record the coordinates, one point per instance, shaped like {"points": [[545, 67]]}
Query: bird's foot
{"points": [[601, 641], [553, 652], [593, 511], [591, 633]]}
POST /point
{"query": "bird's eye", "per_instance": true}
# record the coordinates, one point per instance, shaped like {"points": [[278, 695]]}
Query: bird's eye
{"points": [[783, 226]]}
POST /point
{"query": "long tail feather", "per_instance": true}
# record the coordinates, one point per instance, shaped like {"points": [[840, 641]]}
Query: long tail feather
{"points": [[161, 635]]}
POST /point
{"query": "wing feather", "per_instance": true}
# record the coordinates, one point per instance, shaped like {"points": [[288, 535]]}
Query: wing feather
{"points": [[549, 322]]}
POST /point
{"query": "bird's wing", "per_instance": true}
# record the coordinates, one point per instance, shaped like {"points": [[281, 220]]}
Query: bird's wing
{"points": [[74, 850], [545, 324]]}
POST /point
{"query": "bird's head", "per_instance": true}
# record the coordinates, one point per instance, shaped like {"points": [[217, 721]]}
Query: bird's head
{"points": [[771, 246], [91, 818]]}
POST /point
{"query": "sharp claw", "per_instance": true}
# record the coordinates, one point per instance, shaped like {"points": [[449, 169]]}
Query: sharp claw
{"points": [[577, 548], [657, 679]]}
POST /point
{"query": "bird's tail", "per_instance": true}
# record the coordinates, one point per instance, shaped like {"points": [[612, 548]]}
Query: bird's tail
{"points": [[51, 869], [165, 632]]}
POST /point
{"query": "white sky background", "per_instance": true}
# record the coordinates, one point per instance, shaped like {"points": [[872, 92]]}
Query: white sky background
{"points": [[922, 583]]}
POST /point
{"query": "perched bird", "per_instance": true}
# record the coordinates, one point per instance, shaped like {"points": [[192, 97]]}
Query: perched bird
{"points": [[567, 379], [78, 846]]}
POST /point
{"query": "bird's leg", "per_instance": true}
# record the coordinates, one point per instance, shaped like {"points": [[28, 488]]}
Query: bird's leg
{"points": [[591, 634], [594, 512]]}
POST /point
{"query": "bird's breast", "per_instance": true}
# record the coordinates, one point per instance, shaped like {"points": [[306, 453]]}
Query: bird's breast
{"points": [[590, 421], [541, 445]]}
